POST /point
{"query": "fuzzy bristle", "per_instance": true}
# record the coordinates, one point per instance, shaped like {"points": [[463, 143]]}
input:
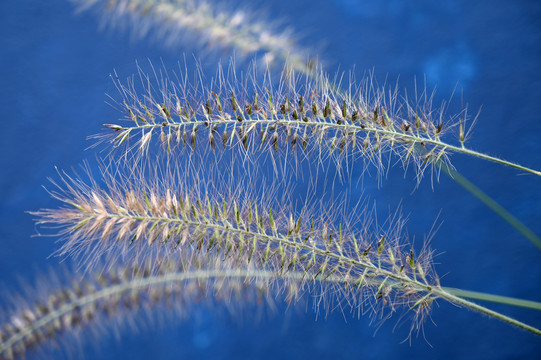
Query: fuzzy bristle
{"points": [[122, 293], [133, 219], [205, 25], [299, 114], [117, 296]]}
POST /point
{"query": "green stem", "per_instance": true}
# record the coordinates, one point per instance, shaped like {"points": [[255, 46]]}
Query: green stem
{"points": [[494, 298], [396, 135], [493, 205], [460, 301]]}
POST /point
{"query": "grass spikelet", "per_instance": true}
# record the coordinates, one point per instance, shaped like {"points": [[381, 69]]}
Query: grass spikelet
{"points": [[205, 25], [122, 296], [230, 223], [364, 263], [366, 121]]}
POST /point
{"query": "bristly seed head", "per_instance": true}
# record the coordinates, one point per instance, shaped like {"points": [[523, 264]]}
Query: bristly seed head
{"points": [[366, 120], [133, 216], [224, 28], [118, 295]]}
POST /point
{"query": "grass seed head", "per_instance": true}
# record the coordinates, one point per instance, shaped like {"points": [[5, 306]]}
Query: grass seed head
{"points": [[343, 126]]}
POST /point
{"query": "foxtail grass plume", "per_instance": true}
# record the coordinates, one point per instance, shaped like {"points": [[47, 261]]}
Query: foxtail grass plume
{"points": [[302, 113], [133, 218], [363, 267], [206, 25], [298, 114], [125, 297], [189, 238]]}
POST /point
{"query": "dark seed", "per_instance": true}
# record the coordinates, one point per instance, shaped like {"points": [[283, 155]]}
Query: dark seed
{"points": [[208, 108], [327, 111]]}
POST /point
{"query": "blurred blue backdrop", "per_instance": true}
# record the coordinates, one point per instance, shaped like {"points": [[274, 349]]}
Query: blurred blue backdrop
{"points": [[54, 77]]}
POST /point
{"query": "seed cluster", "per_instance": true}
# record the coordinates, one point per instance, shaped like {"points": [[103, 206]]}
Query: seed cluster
{"points": [[368, 122], [123, 292], [154, 224], [206, 25]]}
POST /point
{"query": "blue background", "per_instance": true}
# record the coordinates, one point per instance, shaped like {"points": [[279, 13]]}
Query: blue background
{"points": [[53, 80]]}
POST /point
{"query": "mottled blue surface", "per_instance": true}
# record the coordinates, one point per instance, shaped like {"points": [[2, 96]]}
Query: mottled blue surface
{"points": [[54, 75]]}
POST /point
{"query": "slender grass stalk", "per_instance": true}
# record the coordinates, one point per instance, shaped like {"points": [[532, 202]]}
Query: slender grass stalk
{"points": [[528, 304], [303, 113], [249, 241], [122, 292], [204, 25], [236, 31], [492, 204], [134, 219], [138, 218], [327, 128], [127, 289]]}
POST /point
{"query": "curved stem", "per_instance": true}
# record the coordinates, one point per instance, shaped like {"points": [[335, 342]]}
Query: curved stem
{"points": [[110, 291], [156, 280], [493, 205], [534, 305], [472, 306], [395, 135]]}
